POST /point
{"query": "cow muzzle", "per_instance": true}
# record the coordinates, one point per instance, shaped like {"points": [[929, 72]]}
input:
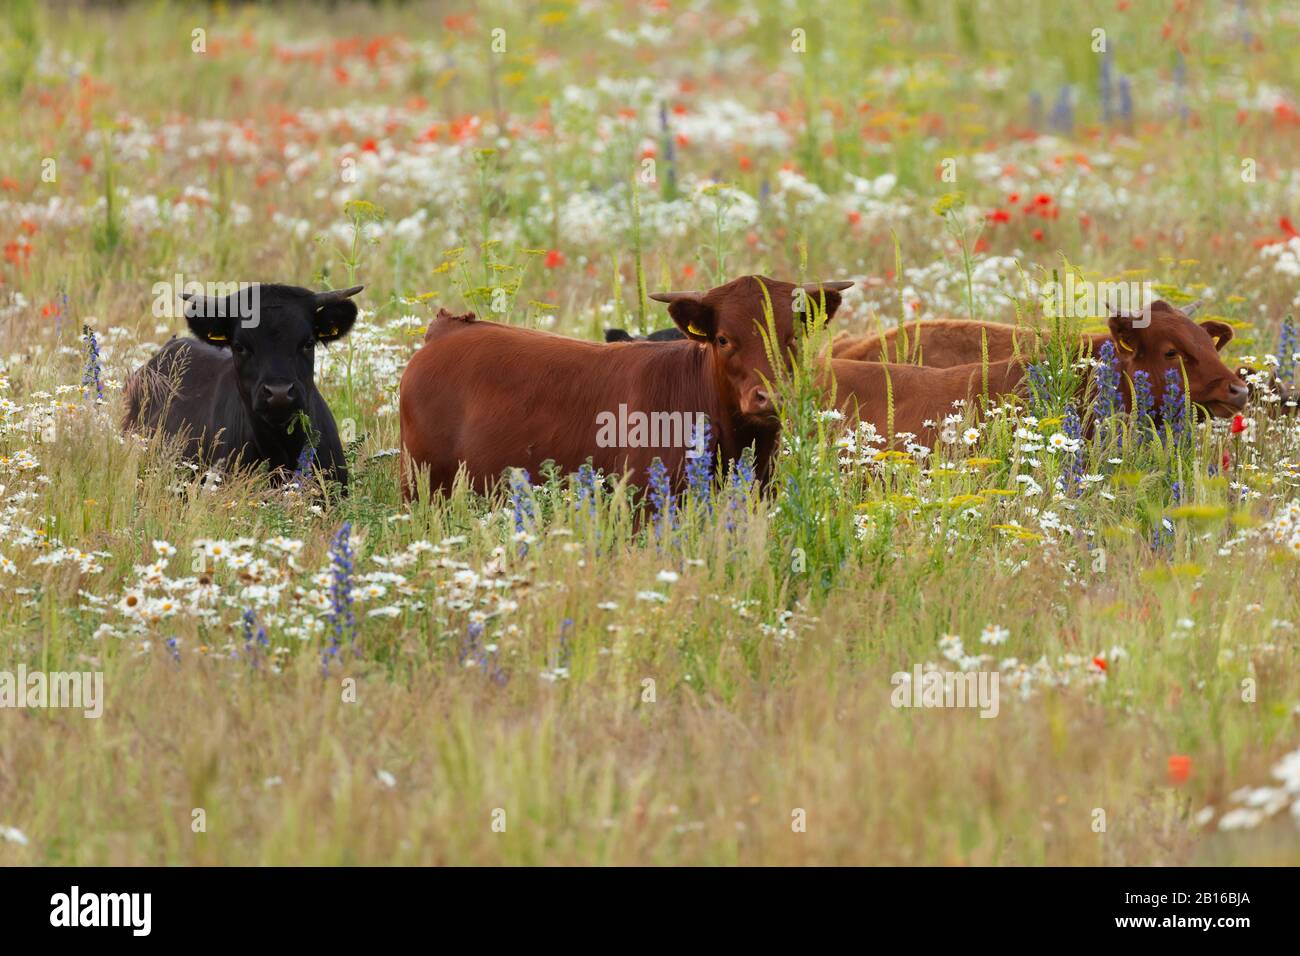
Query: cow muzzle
{"points": [[278, 402], [1230, 401], [757, 405]]}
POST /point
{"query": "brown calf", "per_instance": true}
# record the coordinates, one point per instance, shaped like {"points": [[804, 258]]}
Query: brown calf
{"points": [[493, 397]]}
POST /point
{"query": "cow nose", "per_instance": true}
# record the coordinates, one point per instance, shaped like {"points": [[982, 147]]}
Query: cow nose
{"points": [[278, 397], [759, 403], [1237, 394]]}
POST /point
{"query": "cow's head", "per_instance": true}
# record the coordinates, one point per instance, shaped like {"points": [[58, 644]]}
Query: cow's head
{"points": [[727, 321], [1172, 340], [272, 331]]}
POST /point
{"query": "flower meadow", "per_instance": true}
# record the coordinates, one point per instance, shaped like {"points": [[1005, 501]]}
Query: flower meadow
{"points": [[574, 670]]}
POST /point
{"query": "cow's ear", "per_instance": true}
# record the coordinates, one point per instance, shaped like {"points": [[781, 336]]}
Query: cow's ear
{"points": [[688, 309], [1221, 332], [209, 319], [1127, 338], [334, 313], [817, 292]]}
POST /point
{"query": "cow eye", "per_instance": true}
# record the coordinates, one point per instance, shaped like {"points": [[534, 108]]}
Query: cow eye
{"points": [[238, 348], [309, 345], [722, 340], [1172, 354]]}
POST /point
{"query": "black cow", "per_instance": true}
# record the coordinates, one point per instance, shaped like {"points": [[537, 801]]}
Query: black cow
{"points": [[669, 334], [239, 388]]}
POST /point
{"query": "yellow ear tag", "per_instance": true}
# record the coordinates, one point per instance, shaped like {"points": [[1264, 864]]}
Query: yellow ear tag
{"points": [[694, 329], [217, 338], [1124, 345], [333, 331]]}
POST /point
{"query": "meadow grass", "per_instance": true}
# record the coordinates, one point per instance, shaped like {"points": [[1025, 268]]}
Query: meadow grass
{"points": [[563, 672]]}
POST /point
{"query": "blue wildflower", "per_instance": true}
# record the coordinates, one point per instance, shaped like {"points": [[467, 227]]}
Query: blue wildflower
{"points": [[1108, 399], [1125, 99], [1143, 401], [91, 375], [521, 502], [1180, 86], [699, 469], [1286, 349], [670, 153], [1172, 409], [1107, 70], [342, 620], [1062, 118], [1072, 473], [739, 485], [472, 651], [254, 634], [586, 489], [661, 498]]}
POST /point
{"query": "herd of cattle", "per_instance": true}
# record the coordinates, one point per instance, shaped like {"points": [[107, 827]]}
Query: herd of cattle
{"points": [[488, 397]]}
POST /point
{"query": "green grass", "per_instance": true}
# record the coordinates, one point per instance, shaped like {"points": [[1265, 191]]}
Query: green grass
{"points": [[624, 697]]}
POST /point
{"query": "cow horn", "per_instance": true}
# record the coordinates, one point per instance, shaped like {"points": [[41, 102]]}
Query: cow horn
{"points": [[812, 288], [675, 296], [336, 295], [1193, 307]]}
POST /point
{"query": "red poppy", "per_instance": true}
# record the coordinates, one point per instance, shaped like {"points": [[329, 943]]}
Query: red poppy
{"points": [[1227, 461], [1238, 424], [1180, 768], [1038, 235], [1099, 662], [554, 259], [18, 252], [1043, 199], [999, 215]]}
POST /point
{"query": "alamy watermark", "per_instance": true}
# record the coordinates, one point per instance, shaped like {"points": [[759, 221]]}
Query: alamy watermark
{"points": [[1080, 298], [213, 300], [946, 689], [133, 911], [80, 690], [638, 429]]}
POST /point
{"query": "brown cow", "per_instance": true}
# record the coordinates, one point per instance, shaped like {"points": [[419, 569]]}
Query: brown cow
{"points": [[941, 343], [920, 394], [495, 397], [1172, 340]]}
